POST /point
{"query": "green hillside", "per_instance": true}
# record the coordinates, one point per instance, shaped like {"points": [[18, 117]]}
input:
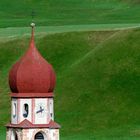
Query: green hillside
{"points": [[68, 12], [98, 78]]}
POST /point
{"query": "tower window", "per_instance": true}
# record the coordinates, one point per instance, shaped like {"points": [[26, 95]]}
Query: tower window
{"points": [[51, 114], [14, 110], [39, 136], [25, 110], [16, 137]]}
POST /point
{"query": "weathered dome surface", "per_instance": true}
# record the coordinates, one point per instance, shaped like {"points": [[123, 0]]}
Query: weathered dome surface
{"points": [[32, 73]]}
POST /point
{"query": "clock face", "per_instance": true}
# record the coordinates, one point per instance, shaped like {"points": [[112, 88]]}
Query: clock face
{"points": [[40, 110]]}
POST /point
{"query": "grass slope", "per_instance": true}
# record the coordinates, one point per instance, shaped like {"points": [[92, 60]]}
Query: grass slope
{"points": [[18, 32], [72, 12], [98, 78]]}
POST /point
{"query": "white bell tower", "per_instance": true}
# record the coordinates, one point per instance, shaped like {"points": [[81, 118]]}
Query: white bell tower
{"points": [[32, 81]]}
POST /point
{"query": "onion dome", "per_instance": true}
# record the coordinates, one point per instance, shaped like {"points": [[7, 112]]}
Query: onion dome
{"points": [[32, 75]]}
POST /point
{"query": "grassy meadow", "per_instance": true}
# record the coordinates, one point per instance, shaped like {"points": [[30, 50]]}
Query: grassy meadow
{"points": [[68, 12], [98, 78]]}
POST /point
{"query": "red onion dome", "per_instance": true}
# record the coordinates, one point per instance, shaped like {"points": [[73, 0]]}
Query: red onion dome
{"points": [[32, 73]]}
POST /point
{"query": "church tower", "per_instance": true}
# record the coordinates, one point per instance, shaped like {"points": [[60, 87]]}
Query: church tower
{"points": [[32, 81]]}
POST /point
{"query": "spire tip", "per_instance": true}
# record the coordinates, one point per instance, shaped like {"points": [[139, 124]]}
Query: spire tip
{"points": [[32, 25]]}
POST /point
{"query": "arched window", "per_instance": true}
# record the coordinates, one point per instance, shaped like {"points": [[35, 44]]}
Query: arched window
{"points": [[14, 110], [16, 137], [25, 110], [39, 136]]}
